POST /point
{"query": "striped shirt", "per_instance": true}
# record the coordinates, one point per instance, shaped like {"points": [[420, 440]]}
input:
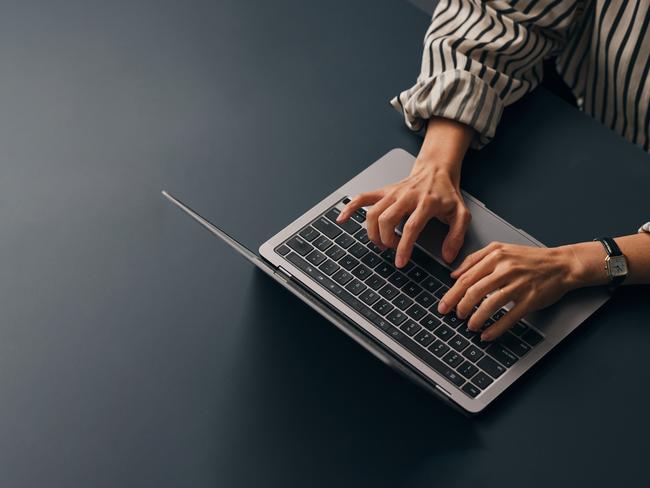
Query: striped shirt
{"points": [[480, 56]]}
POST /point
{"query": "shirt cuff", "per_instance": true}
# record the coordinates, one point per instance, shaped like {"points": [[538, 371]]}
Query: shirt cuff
{"points": [[457, 95], [645, 227]]}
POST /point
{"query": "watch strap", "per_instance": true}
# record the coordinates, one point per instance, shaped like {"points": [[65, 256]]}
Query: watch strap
{"points": [[610, 246], [612, 249]]}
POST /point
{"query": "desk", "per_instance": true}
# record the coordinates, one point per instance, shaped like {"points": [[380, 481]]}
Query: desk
{"points": [[136, 350]]}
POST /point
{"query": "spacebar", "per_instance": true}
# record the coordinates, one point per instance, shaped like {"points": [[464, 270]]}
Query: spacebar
{"points": [[376, 319]]}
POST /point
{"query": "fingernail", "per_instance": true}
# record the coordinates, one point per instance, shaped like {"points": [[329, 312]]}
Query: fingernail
{"points": [[399, 262], [485, 337], [443, 307]]}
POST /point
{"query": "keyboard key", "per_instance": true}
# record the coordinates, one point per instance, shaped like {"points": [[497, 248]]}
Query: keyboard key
{"points": [[425, 299], [518, 329], [458, 343], [282, 250], [454, 377], [439, 348], [443, 332], [389, 255], [358, 250], [362, 272], [316, 257], [476, 340], [369, 297], [425, 338], [383, 307], [402, 301], [384, 270], [375, 282], [373, 247], [309, 234], [471, 390], [327, 227], [429, 322], [389, 292], [359, 215], [499, 314], [513, 343], [355, 287], [467, 369], [322, 243], [453, 359], [396, 317], [335, 252], [333, 214], [411, 289], [501, 354], [416, 312], [491, 367], [344, 241], [465, 332], [410, 328], [532, 337], [342, 277], [473, 353], [371, 260], [482, 380], [434, 310], [300, 245], [362, 236], [453, 321], [397, 279], [329, 267], [440, 292], [349, 226], [417, 274], [430, 284], [348, 262]]}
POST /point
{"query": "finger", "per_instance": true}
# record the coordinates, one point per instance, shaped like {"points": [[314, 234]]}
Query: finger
{"points": [[410, 233], [361, 200], [388, 220], [505, 322], [483, 268], [372, 216], [476, 293], [489, 306], [472, 259], [456, 235]]}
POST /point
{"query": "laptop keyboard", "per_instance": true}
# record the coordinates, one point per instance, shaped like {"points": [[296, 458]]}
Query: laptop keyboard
{"points": [[404, 303]]}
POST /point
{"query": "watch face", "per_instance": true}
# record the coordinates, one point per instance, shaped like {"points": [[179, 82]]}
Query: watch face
{"points": [[617, 266]]}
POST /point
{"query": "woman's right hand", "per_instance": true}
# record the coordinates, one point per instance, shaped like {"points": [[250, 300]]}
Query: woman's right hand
{"points": [[431, 190]]}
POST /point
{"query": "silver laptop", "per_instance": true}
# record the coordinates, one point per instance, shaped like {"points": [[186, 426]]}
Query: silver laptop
{"points": [[392, 313]]}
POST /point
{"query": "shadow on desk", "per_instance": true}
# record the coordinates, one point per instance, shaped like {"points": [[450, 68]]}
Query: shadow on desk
{"points": [[298, 379]]}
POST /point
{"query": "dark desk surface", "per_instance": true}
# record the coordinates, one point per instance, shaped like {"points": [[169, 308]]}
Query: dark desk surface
{"points": [[136, 350]]}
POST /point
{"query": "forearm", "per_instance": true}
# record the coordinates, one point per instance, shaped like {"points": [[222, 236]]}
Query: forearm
{"points": [[588, 260], [444, 147]]}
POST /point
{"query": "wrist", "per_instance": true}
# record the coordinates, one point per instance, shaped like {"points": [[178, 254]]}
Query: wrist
{"points": [[585, 264], [445, 144]]}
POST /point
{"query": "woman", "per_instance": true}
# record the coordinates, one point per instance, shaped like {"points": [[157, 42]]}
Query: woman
{"points": [[479, 57]]}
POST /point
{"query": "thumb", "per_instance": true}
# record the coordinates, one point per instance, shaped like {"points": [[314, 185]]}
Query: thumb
{"points": [[456, 235]]}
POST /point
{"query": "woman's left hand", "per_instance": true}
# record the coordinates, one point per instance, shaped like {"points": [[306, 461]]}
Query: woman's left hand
{"points": [[498, 274]]}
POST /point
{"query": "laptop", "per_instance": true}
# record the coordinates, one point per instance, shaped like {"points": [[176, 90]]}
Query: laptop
{"points": [[343, 276]]}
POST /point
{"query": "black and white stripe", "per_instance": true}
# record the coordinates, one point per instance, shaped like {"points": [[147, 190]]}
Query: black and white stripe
{"points": [[480, 56]]}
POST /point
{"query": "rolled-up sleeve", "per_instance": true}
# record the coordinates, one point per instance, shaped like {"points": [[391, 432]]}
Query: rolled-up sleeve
{"points": [[645, 227], [479, 57]]}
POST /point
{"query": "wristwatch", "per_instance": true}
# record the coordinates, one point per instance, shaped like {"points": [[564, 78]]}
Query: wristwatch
{"points": [[615, 262]]}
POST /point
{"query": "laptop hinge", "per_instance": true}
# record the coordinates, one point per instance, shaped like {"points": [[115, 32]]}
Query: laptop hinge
{"points": [[283, 273]]}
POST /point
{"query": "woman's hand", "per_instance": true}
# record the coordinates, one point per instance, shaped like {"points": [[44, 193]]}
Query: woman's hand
{"points": [[428, 192], [431, 190], [531, 277]]}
